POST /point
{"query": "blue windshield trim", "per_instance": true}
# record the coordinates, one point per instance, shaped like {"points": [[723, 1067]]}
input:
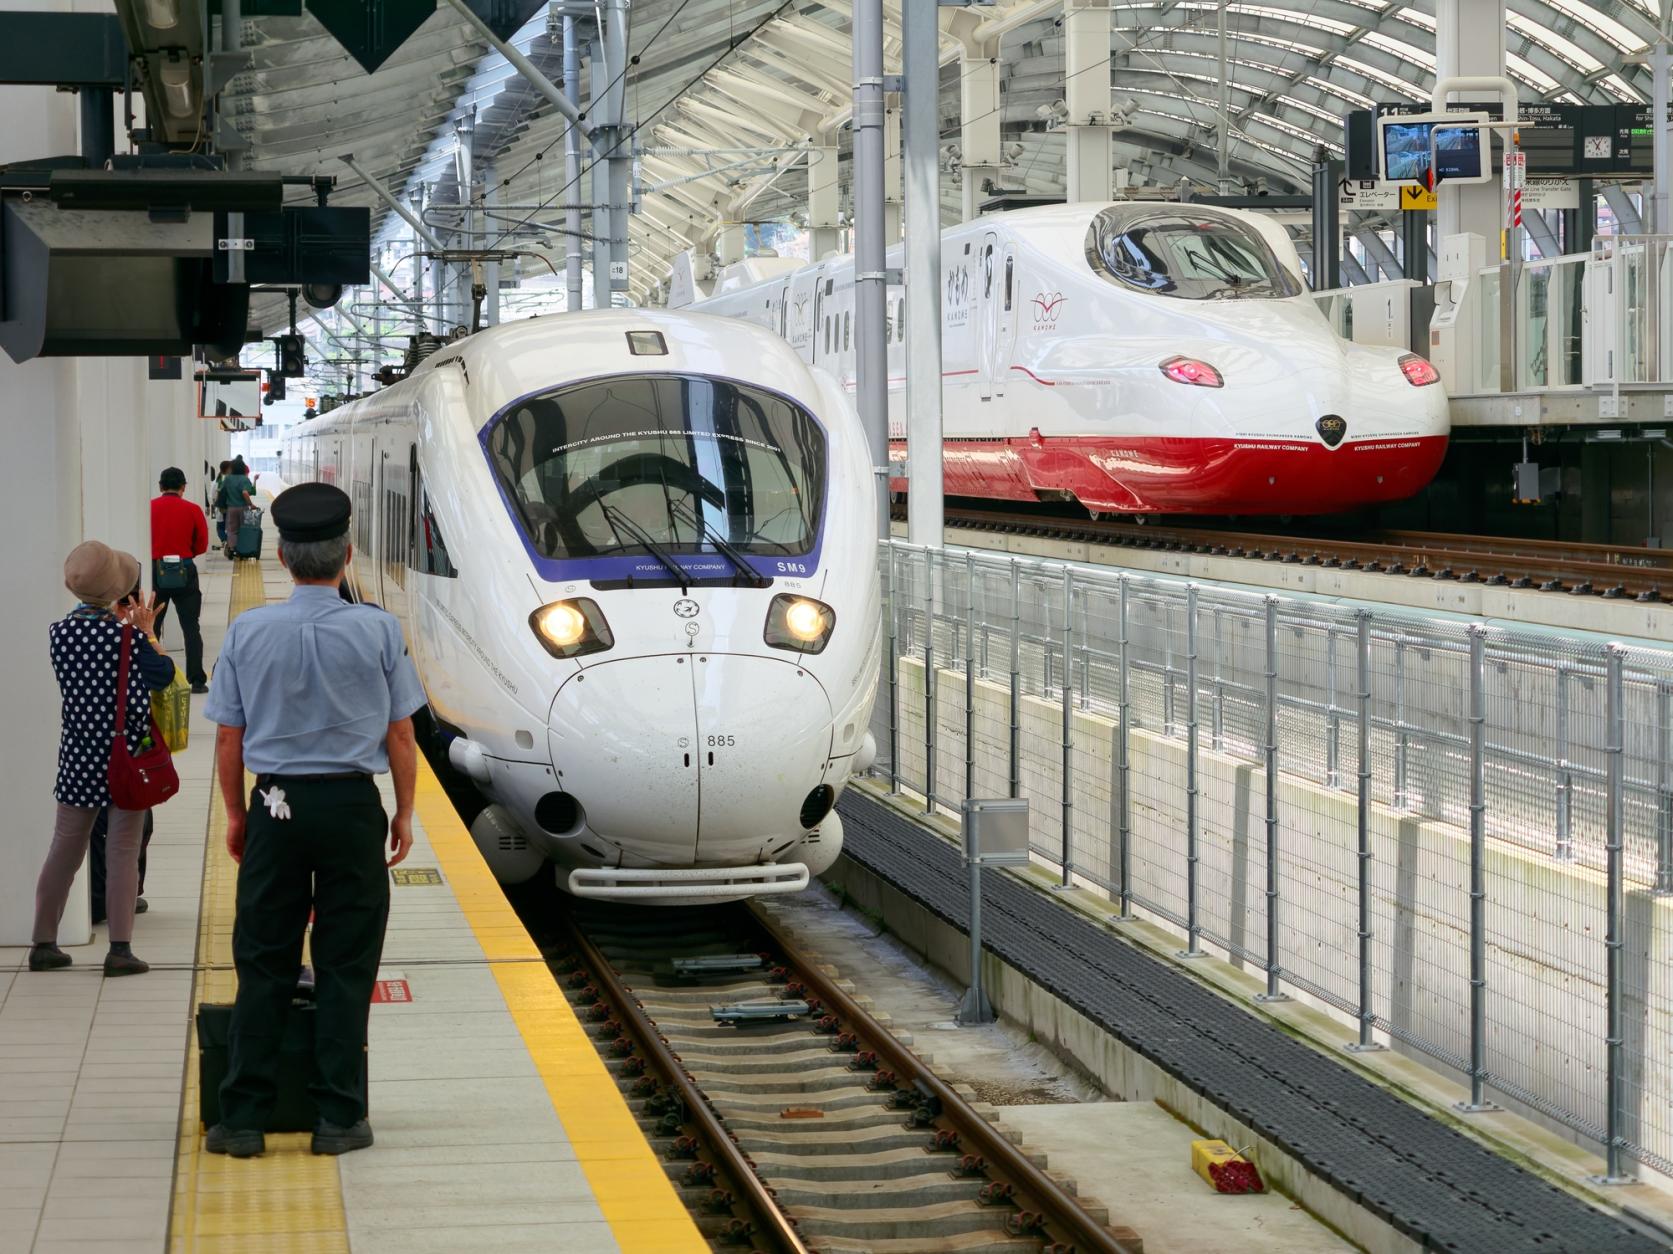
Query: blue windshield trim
{"points": [[710, 567]]}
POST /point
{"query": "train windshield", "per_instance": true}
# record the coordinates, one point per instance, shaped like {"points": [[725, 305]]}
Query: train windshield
{"points": [[1194, 257], [679, 464]]}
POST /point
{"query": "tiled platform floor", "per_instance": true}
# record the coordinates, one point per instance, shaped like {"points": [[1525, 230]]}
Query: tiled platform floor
{"points": [[497, 1128]]}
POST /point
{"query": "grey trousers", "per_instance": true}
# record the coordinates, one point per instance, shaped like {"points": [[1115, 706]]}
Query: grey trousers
{"points": [[69, 846], [235, 519]]}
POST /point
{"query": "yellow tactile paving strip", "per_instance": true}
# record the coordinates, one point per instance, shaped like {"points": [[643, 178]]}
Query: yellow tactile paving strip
{"points": [[631, 1186], [289, 1201]]}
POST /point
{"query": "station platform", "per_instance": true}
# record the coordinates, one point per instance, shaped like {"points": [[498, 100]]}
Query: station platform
{"points": [[498, 1127], [1365, 1150]]}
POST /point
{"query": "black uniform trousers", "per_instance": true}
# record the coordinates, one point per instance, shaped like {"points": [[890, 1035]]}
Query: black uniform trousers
{"points": [[328, 856], [188, 604]]}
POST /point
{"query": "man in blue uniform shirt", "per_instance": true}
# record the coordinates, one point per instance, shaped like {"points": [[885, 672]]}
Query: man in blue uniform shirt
{"points": [[314, 696]]}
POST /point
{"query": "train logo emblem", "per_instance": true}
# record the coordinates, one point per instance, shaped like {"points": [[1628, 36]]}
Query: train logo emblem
{"points": [[1047, 307], [685, 607], [1331, 429]]}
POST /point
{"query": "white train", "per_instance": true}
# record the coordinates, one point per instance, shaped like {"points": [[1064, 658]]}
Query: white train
{"points": [[1139, 358], [634, 555]]}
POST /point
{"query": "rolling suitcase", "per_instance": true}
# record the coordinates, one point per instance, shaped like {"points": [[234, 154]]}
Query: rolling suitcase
{"points": [[249, 535]]}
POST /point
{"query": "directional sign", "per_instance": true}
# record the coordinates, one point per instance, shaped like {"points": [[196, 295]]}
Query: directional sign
{"points": [[1368, 194], [1416, 196], [1551, 193]]}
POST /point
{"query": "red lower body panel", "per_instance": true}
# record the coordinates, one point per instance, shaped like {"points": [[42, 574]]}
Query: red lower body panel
{"points": [[1130, 475]]}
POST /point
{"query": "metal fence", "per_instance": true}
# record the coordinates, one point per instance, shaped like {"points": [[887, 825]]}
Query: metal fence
{"points": [[1459, 835]]}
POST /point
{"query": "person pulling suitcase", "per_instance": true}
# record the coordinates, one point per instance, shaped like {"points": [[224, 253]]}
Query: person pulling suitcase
{"points": [[314, 696]]}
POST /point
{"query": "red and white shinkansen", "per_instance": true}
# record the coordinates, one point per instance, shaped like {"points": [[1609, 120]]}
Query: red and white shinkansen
{"points": [[1139, 358]]}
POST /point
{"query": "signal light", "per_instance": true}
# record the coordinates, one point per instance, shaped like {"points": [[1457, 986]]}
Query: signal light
{"points": [[293, 362], [1194, 373], [1419, 373]]}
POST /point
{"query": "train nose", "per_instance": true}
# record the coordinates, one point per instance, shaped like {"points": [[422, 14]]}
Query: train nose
{"points": [[623, 740], [764, 732], [701, 757]]}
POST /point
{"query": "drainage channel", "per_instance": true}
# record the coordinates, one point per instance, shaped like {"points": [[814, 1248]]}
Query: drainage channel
{"points": [[791, 1118]]}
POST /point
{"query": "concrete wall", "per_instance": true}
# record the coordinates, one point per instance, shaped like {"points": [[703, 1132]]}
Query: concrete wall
{"points": [[83, 440], [1545, 919]]}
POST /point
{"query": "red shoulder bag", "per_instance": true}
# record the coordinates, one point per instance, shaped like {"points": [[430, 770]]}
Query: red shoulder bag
{"points": [[146, 779]]}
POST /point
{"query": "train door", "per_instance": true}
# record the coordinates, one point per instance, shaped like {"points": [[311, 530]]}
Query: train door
{"points": [[1006, 299], [820, 346], [987, 315]]}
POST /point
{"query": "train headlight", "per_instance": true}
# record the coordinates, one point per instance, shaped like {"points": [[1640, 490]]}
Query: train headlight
{"points": [[799, 623], [572, 628], [1190, 371], [1419, 373]]}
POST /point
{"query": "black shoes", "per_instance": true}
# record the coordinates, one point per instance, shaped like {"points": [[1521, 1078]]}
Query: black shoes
{"points": [[199, 688], [124, 964], [48, 957], [329, 1138], [240, 1144], [141, 905]]}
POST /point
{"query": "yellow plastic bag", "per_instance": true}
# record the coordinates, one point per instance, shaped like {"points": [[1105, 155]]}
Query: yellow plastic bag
{"points": [[172, 708]]}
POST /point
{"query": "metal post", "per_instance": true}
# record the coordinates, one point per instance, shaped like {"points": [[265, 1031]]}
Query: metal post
{"points": [[603, 216], [1564, 850], [1367, 1014], [1332, 717], [1217, 736], [618, 159], [490, 267], [1401, 738], [1068, 802], [1273, 967], [1615, 719], [1016, 679], [1660, 217], [870, 247], [1168, 726], [894, 667], [975, 1008], [929, 681], [232, 37], [1124, 813], [1478, 874], [921, 69], [1664, 788], [1224, 155], [969, 675], [572, 182], [1193, 927], [97, 125]]}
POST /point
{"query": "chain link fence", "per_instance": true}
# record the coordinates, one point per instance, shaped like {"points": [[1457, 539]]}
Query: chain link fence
{"points": [[1459, 836]]}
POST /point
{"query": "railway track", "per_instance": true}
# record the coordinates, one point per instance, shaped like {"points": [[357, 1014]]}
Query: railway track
{"points": [[1551, 566], [792, 1120]]}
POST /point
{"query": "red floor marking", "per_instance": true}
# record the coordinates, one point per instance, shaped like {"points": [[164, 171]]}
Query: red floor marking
{"points": [[391, 991]]}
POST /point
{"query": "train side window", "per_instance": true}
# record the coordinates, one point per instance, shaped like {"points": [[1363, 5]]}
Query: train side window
{"points": [[1009, 272], [987, 272], [847, 330], [428, 544]]}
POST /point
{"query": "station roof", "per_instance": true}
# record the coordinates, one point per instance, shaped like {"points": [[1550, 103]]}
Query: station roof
{"points": [[764, 78]]}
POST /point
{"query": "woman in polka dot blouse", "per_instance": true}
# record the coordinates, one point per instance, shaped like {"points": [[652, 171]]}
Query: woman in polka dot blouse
{"points": [[86, 648]]}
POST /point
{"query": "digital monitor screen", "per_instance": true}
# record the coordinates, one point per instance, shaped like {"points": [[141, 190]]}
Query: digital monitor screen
{"points": [[1406, 151], [235, 397]]}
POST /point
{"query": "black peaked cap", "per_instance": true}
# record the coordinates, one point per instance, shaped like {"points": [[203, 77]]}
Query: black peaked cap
{"points": [[311, 511]]}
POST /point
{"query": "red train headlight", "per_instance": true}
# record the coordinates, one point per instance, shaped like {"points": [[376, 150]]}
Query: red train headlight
{"points": [[1419, 373], [1190, 371]]}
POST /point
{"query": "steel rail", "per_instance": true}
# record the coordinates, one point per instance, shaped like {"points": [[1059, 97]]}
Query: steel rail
{"points": [[772, 1224], [1465, 559], [1062, 1210]]}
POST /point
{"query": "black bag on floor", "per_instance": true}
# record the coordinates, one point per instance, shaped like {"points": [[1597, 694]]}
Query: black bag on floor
{"points": [[293, 1108]]}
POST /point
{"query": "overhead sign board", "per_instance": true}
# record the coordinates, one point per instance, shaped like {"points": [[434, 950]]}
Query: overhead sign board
{"points": [[1380, 196], [1368, 194], [1417, 196]]}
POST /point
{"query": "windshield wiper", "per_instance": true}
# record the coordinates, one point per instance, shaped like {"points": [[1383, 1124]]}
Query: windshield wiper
{"points": [[756, 579], [617, 518]]}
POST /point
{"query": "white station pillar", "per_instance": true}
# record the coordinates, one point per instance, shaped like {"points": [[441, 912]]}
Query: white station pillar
{"points": [[823, 205], [979, 111], [1087, 95], [1470, 41], [85, 440]]}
